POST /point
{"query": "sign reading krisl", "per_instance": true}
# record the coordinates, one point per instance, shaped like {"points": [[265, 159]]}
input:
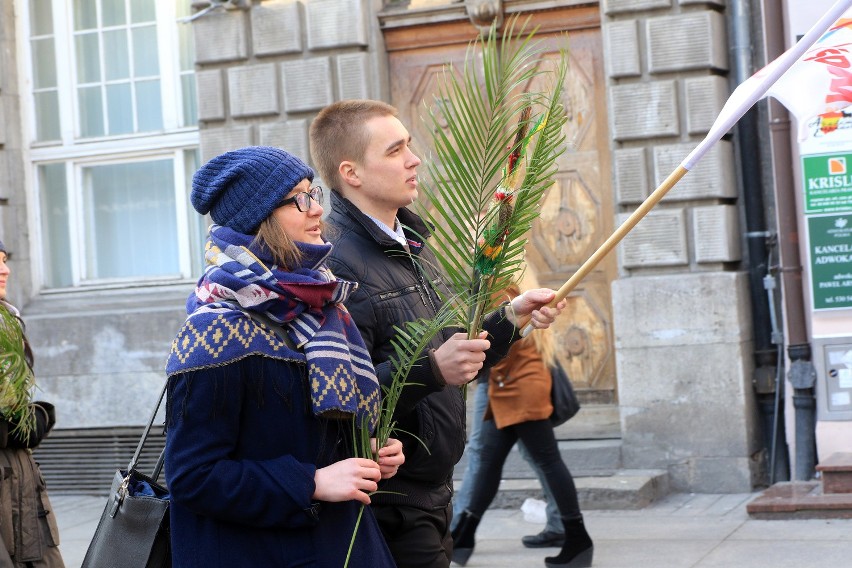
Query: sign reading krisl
{"points": [[827, 183], [830, 238]]}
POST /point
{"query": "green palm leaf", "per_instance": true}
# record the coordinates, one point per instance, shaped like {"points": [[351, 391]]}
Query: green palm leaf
{"points": [[16, 377], [478, 121], [410, 342]]}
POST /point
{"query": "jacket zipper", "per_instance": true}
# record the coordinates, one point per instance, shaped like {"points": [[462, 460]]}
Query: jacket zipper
{"points": [[423, 287]]}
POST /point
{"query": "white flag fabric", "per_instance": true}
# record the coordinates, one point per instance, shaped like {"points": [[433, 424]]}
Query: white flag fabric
{"points": [[818, 87], [813, 79]]}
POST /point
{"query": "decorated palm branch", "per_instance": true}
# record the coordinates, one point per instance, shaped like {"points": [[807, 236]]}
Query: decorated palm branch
{"points": [[16, 376], [496, 143], [491, 169]]}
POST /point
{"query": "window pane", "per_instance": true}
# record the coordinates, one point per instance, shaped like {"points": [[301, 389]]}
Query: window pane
{"points": [[85, 14], [149, 107], [55, 232], [186, 47], [197, 223], [88, 58], [132, 228], [113, 13], [47, 115], [142, 11], [91, 111], [145, 62], [44, 64], [41, 18], [190, 110], [119, 108], [116, 56]]}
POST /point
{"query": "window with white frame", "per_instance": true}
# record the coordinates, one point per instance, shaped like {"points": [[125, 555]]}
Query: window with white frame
{"points": [[114, 140]]}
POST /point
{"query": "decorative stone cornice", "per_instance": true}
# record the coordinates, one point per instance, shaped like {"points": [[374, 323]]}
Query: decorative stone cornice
{"points": [[483, 13]]}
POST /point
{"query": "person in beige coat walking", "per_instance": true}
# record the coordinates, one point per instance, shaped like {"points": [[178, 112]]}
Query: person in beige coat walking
{"points": [[519, 408]]}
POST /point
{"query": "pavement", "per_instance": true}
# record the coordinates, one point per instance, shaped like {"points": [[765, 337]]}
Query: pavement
{"points": [[681, 530]]}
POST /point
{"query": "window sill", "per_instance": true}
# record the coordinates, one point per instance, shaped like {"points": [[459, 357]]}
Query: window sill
{"points": [[69, 302]]}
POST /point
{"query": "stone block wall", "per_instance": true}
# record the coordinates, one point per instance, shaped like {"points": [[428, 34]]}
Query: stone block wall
{"points": [[264, 72], [685, 390], [667, 65], [14, 230], [102, 362], [681, 304]]}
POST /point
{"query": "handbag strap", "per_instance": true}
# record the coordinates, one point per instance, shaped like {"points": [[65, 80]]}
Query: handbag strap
{"points": [[134, 461]]}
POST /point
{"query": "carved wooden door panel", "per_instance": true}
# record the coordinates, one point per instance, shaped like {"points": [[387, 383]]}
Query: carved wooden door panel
{"points": [[578, 211]]}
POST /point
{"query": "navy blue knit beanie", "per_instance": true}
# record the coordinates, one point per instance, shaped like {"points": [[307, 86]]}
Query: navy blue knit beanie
{"points": [[241, 188]]}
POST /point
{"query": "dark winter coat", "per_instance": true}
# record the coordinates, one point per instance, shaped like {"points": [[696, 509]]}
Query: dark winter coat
{"points": [[28, 528], [242, 448], [392, 290]]}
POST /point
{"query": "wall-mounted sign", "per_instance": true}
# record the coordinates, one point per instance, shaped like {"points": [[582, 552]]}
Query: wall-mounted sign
{"points": [[828, 183], [838, 370], [830, 241]]}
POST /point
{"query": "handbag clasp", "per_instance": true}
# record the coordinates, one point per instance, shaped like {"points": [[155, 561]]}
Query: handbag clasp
{"points": [[119, 495]]}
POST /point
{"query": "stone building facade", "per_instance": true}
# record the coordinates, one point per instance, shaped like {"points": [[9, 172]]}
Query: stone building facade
{"points": [[681, 305], [681, 298]]}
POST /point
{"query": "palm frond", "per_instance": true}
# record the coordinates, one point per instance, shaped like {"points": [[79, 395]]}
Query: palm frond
{"points": [[16, 377], [487, 120], [409, 344]]}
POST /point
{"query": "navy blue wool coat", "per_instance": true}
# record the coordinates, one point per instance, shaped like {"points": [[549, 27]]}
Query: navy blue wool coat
{"points": [[241, 451]]}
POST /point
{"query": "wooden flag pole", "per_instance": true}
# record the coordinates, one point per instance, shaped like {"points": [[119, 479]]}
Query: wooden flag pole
{"points": [[615, 238], [743, 98]]}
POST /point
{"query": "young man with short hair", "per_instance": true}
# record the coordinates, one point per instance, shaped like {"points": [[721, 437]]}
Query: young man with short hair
{"points": [[363, 152]]}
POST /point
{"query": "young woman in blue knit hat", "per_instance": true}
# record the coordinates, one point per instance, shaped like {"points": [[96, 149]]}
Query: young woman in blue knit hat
{"points": [[268, 381], [28, 532]]}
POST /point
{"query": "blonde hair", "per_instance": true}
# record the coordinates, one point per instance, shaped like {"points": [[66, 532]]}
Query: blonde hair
{"points": [[338, 134], [271, 236], [543, 339]]}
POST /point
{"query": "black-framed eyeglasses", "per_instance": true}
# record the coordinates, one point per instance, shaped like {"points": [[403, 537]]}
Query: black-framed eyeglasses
{"points": [[303, 199]]}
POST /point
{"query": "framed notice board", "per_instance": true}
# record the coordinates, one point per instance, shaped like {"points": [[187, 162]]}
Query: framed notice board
{"points": [[830, 243], [827, 183]]}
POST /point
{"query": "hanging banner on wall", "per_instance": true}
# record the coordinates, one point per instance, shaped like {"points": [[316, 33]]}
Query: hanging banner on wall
{"points": [[830, 242], [827, 183]]}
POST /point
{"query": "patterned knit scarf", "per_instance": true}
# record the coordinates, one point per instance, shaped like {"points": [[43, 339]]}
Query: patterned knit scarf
{"points": [[242, 277]]}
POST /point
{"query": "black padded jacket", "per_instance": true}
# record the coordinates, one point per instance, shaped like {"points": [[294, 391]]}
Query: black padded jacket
{"points": [[394, 289]]}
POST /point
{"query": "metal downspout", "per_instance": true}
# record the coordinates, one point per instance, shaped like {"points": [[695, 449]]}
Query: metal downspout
{"points": [[768, 341], [802, 374]]}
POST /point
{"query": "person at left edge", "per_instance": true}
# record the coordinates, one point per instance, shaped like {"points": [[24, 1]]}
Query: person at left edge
{"points": [[259, 449], [29, 537]]}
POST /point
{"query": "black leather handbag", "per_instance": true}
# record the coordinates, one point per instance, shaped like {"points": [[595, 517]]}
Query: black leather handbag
{"points": [[562, 396], [133, 531]]}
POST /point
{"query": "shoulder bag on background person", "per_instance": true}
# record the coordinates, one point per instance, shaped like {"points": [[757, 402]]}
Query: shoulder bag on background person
{"points": [[134, 528], [562, 396]]}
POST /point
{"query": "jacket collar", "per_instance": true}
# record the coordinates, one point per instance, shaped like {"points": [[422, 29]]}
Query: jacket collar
{"points": [[413, 226]]}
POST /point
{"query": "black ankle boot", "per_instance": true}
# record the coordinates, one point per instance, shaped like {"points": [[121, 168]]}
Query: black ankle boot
{"points": [[463, 537], [578, 548]]}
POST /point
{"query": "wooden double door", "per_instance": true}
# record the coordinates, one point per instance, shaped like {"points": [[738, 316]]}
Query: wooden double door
{"points": [[578, 211]]}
